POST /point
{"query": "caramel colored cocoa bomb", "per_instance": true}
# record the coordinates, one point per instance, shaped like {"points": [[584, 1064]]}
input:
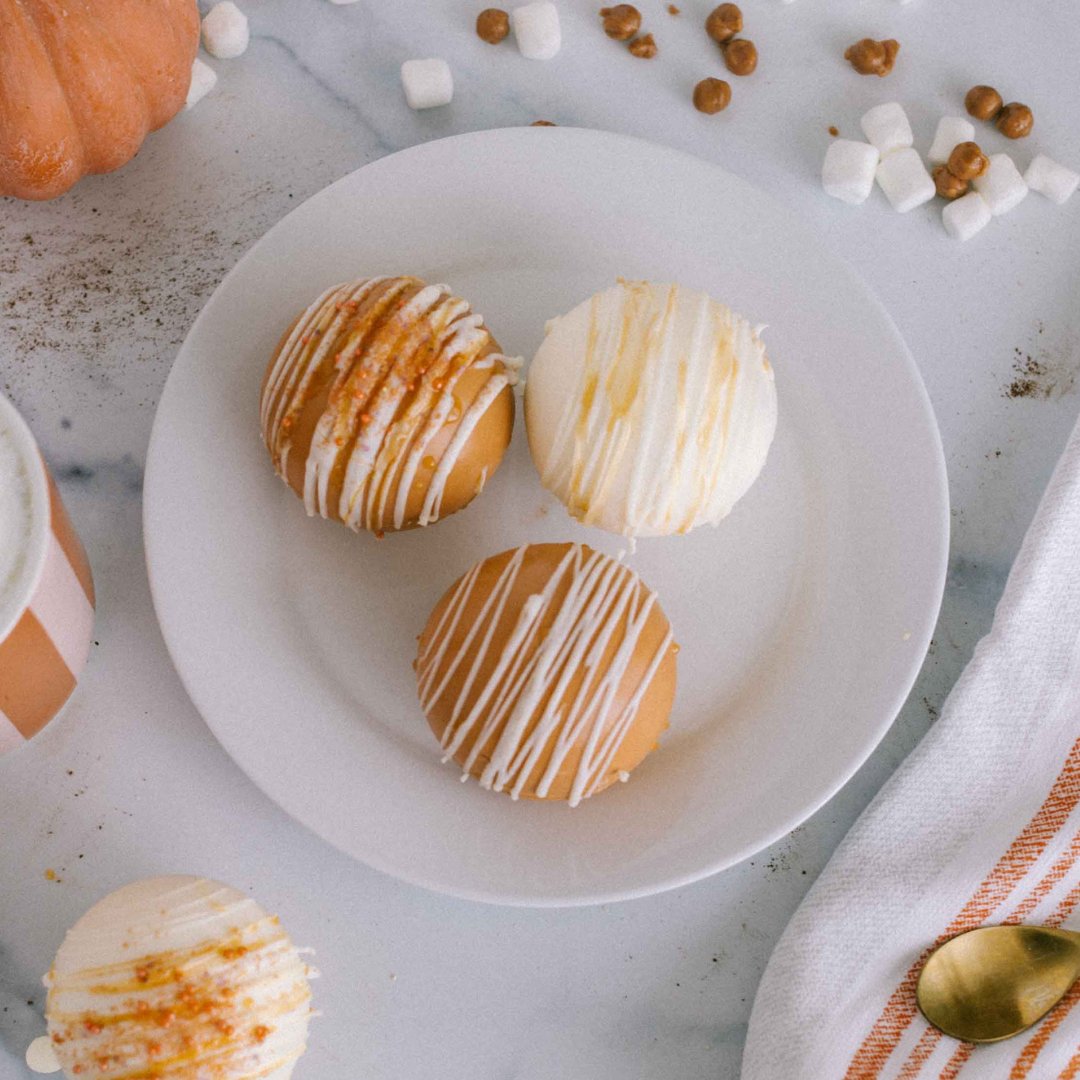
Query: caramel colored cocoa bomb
{"points": [[982, 102], [1015, 121], [724, 23]]}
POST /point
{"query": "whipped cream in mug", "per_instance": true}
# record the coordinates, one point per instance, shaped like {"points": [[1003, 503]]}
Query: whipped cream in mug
{"points": [[15, 517]]}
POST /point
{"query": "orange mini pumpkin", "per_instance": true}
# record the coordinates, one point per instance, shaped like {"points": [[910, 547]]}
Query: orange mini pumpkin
{"points": [[82, 82]]}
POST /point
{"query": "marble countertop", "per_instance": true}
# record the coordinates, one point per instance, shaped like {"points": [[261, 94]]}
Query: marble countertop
{"points": [[97, 290]]}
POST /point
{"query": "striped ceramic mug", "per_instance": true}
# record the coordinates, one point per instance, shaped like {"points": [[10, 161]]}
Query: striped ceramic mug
{"points": [[46, 591]]}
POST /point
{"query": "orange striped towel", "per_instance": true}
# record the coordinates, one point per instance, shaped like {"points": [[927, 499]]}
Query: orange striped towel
{"points": [[980, 825]]}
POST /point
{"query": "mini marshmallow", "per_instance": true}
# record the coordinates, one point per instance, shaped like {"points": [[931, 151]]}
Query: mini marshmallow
{"points": [[951, 131], [904, 179], [887, 127], [536, 29], [965, 216], [203, 80], [225, 31], [1047, 177], [1001, 185], [847, 172], [427, 83]]}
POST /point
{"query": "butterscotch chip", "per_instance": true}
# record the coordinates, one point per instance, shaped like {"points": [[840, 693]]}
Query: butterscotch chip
{"points": [[492, 25], [1015, 121], [672, 9], [542, 123], [724, 23], [870, 57], [644, 46], [948, 186], [740, 55], [983, 102], [967, 161], [712, 96], [621, 22]]}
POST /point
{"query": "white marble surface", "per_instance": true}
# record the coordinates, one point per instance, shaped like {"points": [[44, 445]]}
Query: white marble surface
{"points": [[97, 290]]}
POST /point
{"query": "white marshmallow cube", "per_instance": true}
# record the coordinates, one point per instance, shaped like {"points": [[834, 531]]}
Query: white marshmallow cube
{"points": [[964, 217], [1001, 185], [536, 30], [427, 83], [203, 79], [225, 31], [847, 172], [951, 131], [905, 181], [887, 127], [1047, 177]]}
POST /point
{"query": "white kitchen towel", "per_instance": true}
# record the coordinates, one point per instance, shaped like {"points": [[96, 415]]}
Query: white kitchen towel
{"points": [[980, 825]]}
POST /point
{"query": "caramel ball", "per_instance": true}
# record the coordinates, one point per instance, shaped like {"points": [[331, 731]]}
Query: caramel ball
{"points": [[948, 186], [724, 23], [621, 22], [643, 47], [982, 102], [870, 57], [365, 397], [712, 96], [547, 672], [1015, 121], [740, 55], [492, 25], [967, 161]]}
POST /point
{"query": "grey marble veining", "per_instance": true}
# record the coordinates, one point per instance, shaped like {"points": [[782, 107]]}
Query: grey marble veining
{"points": [[97, 290]]}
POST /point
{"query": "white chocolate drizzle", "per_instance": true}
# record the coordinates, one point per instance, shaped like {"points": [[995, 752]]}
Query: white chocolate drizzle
{"points": [[394, 371], [534, 672]]}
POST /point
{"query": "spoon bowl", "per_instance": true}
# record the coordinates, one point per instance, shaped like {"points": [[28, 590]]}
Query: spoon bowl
{"points": [[995, 982]]}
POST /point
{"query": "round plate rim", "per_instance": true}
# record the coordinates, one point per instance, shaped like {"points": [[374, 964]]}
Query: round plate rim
{"points": [[939, 496]]}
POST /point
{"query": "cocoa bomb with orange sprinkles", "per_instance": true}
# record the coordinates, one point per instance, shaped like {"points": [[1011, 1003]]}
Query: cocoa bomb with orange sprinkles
{"points": [[387, 404], [547, 672]]}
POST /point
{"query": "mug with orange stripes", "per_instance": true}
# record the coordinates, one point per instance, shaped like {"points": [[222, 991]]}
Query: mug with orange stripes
{"points": [[46, 591]]}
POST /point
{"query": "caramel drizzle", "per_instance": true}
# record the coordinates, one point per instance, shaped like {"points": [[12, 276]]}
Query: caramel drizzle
{"points": [[621, 419], [188, 1013], [398, 349], [534, 673]]}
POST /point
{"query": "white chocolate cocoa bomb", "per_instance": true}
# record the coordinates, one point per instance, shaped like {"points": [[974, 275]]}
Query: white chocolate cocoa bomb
{"points": [[650, 409], [178, 978]]}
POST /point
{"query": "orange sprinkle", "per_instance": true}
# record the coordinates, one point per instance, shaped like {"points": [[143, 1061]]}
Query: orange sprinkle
{"points": [[380, 535], [287, 423], [227, 991], [141, 1006], [103, 1064], [260, 1033], [410, 387], [365, 418], [224, 1027], [167, 1019], [76, 1069], [305, 339], [142, 974], [93, 1028], [56, 1039], [233, 952], [339, 441], [154, 1049]]}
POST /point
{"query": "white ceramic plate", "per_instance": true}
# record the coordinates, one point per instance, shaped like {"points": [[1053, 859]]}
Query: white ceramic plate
{"points": [[803, 618]]}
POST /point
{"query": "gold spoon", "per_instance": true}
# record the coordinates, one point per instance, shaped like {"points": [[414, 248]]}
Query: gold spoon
{"points": [[990, 984]]}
